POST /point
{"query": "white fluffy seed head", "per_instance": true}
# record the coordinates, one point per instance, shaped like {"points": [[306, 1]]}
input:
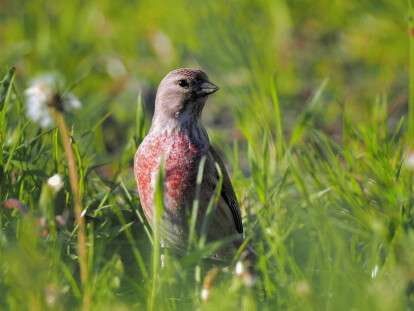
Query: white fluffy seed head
{"points": [[38, 95]]}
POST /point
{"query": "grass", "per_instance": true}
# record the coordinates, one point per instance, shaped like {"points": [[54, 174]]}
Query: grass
{"points": [[314, 117]]}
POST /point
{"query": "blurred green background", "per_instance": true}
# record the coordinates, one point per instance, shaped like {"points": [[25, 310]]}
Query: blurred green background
{"points": [[114, 50], [310, 116]]}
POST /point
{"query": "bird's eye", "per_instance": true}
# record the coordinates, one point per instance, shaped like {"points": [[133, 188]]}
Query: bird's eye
{"points": [[183, 83]]}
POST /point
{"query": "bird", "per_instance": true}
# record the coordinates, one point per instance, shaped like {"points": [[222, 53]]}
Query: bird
{"points": [[178, 139]]}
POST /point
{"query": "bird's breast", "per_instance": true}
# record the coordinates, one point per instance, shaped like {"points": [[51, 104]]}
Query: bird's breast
{"points": [[181, 158]]}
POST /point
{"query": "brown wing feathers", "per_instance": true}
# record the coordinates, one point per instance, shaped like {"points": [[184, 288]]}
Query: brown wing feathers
{"points": [[227, 192]]}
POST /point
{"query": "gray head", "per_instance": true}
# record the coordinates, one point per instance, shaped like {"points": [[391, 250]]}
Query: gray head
{"points": [[182, 94]]}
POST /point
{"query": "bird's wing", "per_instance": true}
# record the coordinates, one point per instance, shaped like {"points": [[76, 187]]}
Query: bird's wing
{"points": [[227, 192]]}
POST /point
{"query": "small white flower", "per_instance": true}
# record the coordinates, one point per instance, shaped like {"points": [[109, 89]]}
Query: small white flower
{"points": [[205, 293], [239, 268], [55, 182], [39, 93]]}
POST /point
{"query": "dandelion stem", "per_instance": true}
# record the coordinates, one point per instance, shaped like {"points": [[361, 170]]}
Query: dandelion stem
{"points": [[74, 183]]}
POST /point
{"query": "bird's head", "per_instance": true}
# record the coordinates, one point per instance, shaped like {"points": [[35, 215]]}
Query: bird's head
{"points": [[182, 94]]}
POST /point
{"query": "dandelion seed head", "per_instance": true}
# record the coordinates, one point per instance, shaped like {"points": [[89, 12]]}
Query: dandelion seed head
{"points": [[38, 95]]}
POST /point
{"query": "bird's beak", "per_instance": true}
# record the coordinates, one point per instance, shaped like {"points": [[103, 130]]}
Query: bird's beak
{"points": [[207, 88]]}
